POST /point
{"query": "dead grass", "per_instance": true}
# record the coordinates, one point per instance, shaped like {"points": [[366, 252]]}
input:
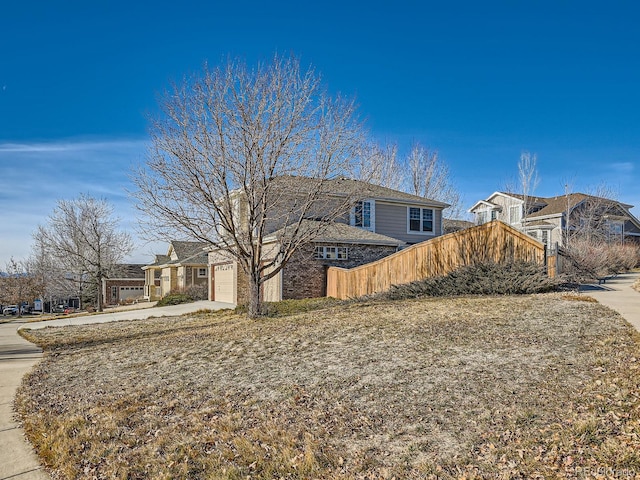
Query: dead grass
{"points": [[485, 387], [636, 285]]}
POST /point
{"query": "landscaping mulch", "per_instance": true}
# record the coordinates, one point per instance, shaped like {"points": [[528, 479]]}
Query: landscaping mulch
{"points": [[534, 386]]}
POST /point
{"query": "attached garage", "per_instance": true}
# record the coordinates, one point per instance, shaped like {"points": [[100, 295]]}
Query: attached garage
{"points": [[224, 283]]}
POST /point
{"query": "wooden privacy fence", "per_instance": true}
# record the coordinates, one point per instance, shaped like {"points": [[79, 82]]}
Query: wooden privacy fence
{"points": [[491, 242]]}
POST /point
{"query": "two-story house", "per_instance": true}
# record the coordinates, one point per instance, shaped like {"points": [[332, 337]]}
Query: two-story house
{"points": [[552, 219], [379, 222]]}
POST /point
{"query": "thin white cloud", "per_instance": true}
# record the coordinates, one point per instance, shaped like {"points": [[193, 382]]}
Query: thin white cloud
{"points": [[36, 175], [622, 167]]}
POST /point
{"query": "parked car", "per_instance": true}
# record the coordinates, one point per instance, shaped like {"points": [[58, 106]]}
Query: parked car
{"points": [[10, 310]]}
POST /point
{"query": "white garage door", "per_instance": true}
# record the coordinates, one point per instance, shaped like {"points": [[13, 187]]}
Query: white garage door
{"points": [[224, 283]]}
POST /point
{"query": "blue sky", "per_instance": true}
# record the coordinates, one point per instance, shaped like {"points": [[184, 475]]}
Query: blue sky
{"points": [[478, 81]]}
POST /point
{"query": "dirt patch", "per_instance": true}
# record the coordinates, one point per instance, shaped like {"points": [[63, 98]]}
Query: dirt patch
{"points": [[511, 387]]}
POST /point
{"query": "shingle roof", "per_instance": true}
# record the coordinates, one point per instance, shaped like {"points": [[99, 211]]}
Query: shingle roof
{"points": [[187, 250], [358, 188], [159, 260], [341, 233], [128, 270], [559, 204]]}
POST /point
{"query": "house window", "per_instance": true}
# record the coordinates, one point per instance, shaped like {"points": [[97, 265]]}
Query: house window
{"points": [[420, 219], [494, 214], [114, 293], [515, 214], [202, 273], [362, 214], [331, 253], [545, 237], [615, 228], [482, 216]]}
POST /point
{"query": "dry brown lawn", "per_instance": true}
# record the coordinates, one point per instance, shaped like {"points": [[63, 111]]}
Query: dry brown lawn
{"points": [[538, 386]]}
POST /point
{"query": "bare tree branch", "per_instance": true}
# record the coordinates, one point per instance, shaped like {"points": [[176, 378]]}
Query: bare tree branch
{"points": [[239, 153], [83, 242]]}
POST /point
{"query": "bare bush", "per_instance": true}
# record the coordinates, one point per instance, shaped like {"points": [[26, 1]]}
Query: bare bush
{"points": [[197, 292], [593, 259], [480, 279]]}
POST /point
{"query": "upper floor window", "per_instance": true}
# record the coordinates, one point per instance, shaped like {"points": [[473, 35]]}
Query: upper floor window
{"points": [[515, 213], [615, 227], [420, 219], [362, 215]]}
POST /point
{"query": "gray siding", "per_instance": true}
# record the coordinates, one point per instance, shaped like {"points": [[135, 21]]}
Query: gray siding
{"points": [[392, 220]]}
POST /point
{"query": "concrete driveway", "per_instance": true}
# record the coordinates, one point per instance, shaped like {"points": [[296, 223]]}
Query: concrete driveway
{"points": [[17, 357]]}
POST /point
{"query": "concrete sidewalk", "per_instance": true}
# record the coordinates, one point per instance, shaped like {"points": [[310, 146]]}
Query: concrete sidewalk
{"points": [[617, 294], [17, 357]]}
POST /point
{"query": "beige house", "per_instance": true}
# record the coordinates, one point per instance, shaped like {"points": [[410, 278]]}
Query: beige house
{"points": [[551, 219], [381, 223], [184, 266]]}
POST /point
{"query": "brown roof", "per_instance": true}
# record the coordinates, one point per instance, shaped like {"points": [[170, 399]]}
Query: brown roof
{"points": [[358, 188], [187, 253], [560, 204], [342, 233], [127, 270], [187, 250]]}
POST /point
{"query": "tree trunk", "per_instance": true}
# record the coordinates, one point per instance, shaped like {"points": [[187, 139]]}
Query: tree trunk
{"points": [[255, 296], [99, 296]]}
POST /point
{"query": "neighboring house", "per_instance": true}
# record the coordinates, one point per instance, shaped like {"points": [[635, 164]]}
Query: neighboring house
{"points": [[125, 283], [384, 221], [551, 219], [184, 266]]}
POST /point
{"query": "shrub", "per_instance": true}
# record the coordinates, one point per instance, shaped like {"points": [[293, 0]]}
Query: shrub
{"points": [[174, 298], [481, 279], [197, 292], [589, 260]]}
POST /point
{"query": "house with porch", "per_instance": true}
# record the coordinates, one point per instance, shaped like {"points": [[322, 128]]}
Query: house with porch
{"points": [[182, 267]]}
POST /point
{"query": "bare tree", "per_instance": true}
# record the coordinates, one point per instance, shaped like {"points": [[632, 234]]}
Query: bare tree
{"points": [[238, 153], [19, 286], [593, 215], [83, 240], [528, 181], [380, 165], [429, 177], [53, 278]]}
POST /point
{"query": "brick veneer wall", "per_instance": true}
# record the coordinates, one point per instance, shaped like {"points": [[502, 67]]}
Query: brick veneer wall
{"points": [[242, 286], [306, 277]]}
